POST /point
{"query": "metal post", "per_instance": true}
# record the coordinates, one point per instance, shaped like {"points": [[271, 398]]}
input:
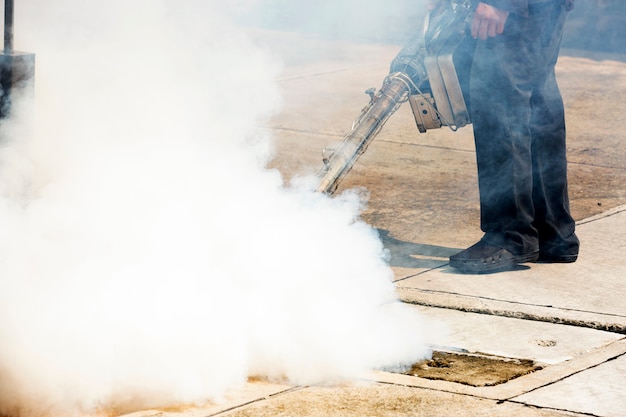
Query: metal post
{"points": [[8, 27], [17, 69]]}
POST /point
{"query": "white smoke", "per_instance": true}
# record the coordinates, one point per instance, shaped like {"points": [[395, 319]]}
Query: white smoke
{"points": [[374, 21], [147, 257]]}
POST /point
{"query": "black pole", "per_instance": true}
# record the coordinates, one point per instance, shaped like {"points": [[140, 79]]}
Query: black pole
{"points": [[17, 69], [8, 26]]}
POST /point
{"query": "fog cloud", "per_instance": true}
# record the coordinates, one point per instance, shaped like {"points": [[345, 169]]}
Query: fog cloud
{"points": [[147, 256]]}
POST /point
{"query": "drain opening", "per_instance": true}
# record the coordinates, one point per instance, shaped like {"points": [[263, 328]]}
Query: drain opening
{"points": [[472, 369]]}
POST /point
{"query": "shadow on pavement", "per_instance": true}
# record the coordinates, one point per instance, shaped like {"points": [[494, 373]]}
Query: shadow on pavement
{"points": [[405, 254]]}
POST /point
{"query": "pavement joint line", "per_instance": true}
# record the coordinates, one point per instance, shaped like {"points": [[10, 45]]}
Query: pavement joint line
{"points": [[606, 214], [424, 145], [419, 273], [518, 386], [587, 164], [424, 290], [308, 132], [503, 308], [512, 399], [324, 73], [257, 399], [562, 410]]}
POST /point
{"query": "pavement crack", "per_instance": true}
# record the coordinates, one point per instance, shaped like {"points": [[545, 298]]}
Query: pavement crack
{"points": [[256, 400], [601, 216], [478, 297], [303, 131], [561, 410]]}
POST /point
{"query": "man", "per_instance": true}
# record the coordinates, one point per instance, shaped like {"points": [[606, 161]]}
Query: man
{"points": [[519, 131]]}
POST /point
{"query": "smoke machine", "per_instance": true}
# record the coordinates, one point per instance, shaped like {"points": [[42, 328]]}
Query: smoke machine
{"points": [[431, 72]]}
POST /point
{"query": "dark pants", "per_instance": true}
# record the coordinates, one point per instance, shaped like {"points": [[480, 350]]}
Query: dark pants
{"points": [[519, 130]]}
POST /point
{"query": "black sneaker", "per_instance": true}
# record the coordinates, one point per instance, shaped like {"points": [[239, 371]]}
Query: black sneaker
{"points": [[565, 251], [484, 258], [556, 258]]}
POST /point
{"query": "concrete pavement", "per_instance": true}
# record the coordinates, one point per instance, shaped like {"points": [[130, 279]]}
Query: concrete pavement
{"points": [[570, 318]]}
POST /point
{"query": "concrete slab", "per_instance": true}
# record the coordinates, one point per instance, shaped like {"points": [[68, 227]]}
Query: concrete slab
{"points": [[598, 391], [586, 293], [545, 343]]}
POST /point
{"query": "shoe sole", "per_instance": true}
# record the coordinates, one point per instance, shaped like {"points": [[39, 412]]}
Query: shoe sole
{"points": [[481, 266]]}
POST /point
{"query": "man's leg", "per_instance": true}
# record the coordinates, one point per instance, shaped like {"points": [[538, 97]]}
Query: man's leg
{"points": [[505, 74], [557, 240], [500, 117]]}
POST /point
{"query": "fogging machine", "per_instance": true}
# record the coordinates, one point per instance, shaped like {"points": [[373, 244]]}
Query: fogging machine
{"points": [[431, 72]]}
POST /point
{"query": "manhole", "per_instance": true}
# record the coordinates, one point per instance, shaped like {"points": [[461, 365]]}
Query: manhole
{"points": [[472, 369]]}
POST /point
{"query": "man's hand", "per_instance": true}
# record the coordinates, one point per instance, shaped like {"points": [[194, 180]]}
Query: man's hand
{"points": [[432, 4], [488, 21]]}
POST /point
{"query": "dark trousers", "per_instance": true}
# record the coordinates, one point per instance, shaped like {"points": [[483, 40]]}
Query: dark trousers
{"points": [[519, 130]]}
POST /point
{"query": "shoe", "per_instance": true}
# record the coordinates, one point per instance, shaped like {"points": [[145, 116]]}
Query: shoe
{"points": [[566, 251], [556, 258], [484, 258]]}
